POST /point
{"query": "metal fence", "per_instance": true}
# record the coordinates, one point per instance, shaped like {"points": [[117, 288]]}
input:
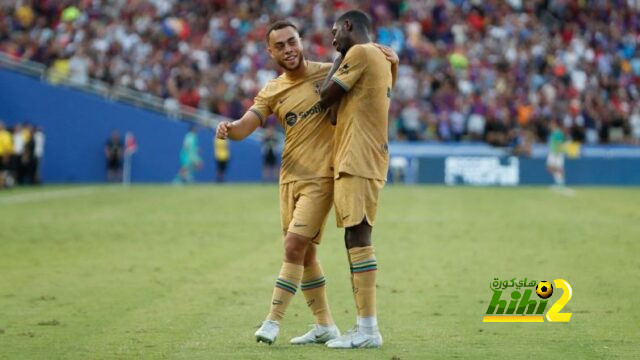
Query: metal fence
{"points": [[171, 109]]}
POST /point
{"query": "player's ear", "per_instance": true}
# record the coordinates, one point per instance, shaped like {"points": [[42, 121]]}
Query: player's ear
{"points": [[348, 25], [269, 51]]}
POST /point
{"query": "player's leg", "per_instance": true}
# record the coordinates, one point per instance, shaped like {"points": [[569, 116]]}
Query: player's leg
{"points": [[364, 268], [220, 170], [314, 201], [555, 166], [356, 204], [285, 287], [560, 169], [314, 289], [291, 270]]}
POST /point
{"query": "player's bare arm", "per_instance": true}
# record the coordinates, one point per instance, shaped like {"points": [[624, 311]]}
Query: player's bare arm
{"points": [[333, 114], [239, 129], [331, 93]]}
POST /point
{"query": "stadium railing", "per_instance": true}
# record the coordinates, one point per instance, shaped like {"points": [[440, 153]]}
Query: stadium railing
{"points": [[171, 109]]}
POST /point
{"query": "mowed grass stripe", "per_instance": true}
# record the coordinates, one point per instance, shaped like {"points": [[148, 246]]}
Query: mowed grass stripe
{"points": [[161, 272], [116, 252]]}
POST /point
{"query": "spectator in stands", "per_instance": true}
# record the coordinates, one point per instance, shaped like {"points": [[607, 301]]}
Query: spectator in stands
{"points": [[79, 65], [411, 125], [461, 61], [496, 132], [635, 125], [113, 152]]}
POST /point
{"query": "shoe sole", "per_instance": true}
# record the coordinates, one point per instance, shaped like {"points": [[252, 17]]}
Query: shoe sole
{"points": [[264, 340], [310, 343], [314, 342], [359, 347], [366, 345]]}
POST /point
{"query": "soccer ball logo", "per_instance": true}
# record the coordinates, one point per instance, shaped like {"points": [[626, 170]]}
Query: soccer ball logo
{"points": [[544, 289]]}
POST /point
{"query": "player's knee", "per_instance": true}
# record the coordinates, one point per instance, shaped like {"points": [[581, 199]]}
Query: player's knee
{"points": [[310, 255], [295, 247], [358, 235]]}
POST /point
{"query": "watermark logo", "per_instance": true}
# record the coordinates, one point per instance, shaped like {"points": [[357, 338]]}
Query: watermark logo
{"points": [[514, 301]]}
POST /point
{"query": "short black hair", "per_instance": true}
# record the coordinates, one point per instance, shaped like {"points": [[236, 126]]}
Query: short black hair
{"points": [[280, 24], [359, 19]]}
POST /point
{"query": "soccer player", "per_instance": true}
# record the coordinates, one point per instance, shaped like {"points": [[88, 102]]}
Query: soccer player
{"points": [[306, 177], [555, 158], [306, 184], [360, 82], [190, 160]]}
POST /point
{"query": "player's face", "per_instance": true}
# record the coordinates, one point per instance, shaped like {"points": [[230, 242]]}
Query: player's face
{"points": [[285, 48], [340, 37]]}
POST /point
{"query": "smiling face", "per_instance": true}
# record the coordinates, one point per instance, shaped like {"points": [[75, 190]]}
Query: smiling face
{"points": [[285, 48]]}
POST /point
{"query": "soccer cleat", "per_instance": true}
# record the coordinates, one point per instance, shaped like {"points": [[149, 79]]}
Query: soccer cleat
{"points": [[357, 339], [268, 332], [318, 334]]}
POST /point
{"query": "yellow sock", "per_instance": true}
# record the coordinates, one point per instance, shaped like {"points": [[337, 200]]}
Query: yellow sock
{"points": [[314, 290], [363, 270], [286, 286]]}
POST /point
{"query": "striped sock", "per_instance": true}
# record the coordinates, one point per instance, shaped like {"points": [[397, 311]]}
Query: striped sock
{"points": [[314, 290], [363, 270], [286, 286]]}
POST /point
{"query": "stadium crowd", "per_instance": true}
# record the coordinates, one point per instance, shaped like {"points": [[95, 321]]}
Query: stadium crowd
{"points": [[494, 71]]}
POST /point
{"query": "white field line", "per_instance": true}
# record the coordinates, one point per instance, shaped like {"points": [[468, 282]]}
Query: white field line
{"points": [[565, 191], [45, 195]]}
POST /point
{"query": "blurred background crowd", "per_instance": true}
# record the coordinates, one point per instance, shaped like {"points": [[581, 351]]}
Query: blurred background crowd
{"points": [[494, 71]]}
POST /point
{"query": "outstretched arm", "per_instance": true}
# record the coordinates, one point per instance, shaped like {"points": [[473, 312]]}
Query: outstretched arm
{"points": [[239, 129]]}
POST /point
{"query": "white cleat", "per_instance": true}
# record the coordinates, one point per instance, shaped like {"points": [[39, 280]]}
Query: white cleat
{"points": [[268, 332], [319, 334], [357, 339]]}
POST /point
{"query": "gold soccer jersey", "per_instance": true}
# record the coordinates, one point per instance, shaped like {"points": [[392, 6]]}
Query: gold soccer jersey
{"points": [[363, 116], [308, 131]]}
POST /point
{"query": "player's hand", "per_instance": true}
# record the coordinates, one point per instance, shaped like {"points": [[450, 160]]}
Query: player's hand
{"points": [[388, 52], [222, 131]]}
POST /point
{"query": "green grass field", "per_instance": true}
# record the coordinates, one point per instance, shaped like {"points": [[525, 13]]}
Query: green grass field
{"points": [[155, 272]]}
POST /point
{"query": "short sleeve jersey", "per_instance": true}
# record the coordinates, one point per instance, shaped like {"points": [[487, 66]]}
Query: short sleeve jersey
{"points": [[361, 136], [556, 139], [308, 141]]}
